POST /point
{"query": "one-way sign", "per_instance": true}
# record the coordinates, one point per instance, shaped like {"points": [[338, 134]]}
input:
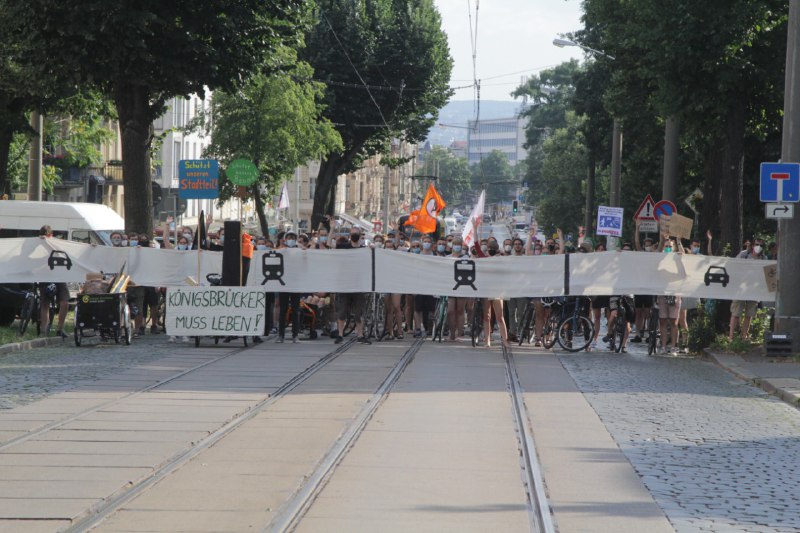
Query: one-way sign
{"points": [[780, 210]]}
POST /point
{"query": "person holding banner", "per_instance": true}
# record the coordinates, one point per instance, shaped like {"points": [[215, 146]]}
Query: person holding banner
{"points": [[393, 327], [352, 302], [669, 306], [496, 305], [289, 299]]}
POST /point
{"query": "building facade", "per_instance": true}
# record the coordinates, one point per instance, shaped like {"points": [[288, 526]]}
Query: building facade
{"points": [[504, 134]]}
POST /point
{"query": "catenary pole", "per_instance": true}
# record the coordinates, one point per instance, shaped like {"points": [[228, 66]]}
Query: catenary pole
{"points": [[787, 310]]}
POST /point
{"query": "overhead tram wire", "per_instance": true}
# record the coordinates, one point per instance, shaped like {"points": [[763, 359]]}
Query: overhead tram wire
{"points": [[347, 56]]}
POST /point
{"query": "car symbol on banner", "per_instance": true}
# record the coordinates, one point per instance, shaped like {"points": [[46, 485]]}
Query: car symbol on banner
{"points": [[60, 259], [717, 274]]}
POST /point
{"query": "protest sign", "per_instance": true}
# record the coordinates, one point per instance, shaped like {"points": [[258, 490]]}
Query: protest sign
{"points": [[609, 221], [680, 226], [222, 311]]}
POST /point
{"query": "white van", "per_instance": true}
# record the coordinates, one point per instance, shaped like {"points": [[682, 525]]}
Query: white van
{"points": [[75, 221]]}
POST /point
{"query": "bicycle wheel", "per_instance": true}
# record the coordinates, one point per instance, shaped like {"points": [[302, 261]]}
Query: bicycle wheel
{"points": [[526, 333], [477, 322], [652, 336], [380, 317], [550, 332], [618, 335], [26, 313], [440, 318], [572, 332]]}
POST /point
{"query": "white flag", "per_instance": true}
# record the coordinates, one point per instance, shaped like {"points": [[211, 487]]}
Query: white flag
{"points": [[474, 221], [283, 203]]}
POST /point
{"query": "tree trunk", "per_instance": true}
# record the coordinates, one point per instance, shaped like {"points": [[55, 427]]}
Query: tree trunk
{"points": [[325, 194], [135, 117], [327, 179], [724, 165], [6, 135], [588, 219], [262, 217]]}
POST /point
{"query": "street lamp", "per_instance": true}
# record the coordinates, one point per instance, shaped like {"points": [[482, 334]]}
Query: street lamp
{"points": [[615, 186]]}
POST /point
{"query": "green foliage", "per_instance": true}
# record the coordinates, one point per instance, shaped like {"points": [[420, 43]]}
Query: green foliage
{"points": [[273, 120], [397, 48], [701, 332], [760, 325], [560, 192], [723, 344], [495, 174]]}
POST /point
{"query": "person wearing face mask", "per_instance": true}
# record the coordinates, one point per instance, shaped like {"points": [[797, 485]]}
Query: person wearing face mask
{"points": [[377, 241], [117, 239], [746, 307], [144, 298], [494, 304], [441, 248], [507, 246], [288, 299], [424, 304], [669, 307], [352, 302], [458, 308], [393, 326], [516, 306]]}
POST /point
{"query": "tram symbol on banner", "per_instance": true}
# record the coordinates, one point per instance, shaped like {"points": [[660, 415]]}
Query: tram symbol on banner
{"points": [[272, 267], [464, 273]]}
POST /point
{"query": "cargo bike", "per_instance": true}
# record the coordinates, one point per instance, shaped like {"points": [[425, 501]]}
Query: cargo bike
{"points": [[104, 314]]}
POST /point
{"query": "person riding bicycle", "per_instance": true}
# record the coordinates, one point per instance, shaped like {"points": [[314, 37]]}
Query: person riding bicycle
{"points": [[620, 308]]}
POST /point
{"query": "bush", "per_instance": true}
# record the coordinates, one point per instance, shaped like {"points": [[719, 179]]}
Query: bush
{"points": [[737, 345], [701, 332]]}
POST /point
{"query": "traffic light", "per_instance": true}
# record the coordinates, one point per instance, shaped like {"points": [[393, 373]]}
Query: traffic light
{"points": [[515, 206]]}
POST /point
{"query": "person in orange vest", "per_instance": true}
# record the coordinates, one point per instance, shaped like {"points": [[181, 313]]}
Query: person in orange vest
{"points": [[247, 255]]}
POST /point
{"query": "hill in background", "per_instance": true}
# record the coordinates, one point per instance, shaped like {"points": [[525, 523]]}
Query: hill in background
{"points": [[457, 113]]}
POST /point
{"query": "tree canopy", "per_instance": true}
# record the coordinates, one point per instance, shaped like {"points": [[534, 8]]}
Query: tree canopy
{"points": [[143, 53], [273, 120], [387, 67]]}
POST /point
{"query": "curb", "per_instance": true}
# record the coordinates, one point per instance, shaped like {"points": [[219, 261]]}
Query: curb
{"points": [[790, 396], [29, 345]]}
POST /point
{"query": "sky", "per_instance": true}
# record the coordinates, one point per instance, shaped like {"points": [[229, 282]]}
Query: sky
{"points": [[515, 37]]}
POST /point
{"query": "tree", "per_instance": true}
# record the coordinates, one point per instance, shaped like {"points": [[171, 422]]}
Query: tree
{"points": [[274, 121], [453, 172], [396, 48], [143, 54], [563, 178], [496, 175], [721, 81]]}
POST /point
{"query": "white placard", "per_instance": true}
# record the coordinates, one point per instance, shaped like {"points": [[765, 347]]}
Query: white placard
{"points": [[219, 311], [609, 221]]}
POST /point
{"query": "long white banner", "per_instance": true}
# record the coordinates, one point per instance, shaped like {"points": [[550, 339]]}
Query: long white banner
{"points": [[387, 271]]}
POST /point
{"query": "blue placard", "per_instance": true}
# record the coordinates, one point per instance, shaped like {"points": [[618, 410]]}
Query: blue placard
{"points": [[780, 182], [198, 179]]}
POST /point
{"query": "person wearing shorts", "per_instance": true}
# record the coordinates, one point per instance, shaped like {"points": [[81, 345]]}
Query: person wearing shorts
{"points": [[669, 310], [351, 302]]}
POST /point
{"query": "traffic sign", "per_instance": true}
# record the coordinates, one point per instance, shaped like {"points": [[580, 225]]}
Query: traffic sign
{"points": [[693, 198], [664, 207], [780, 210], [780, 182], [645, 211]]}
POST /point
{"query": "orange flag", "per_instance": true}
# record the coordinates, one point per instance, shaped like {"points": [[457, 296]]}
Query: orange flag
{"points": [[424, 218]]}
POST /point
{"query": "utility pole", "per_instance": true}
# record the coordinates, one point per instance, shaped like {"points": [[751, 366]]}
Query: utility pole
{"points": [[616, 167], [787, 305], [670, 179], [35, 161]]}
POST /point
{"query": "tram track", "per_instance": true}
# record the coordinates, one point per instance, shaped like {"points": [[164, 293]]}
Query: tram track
{"points": [[95, 514], [541, 520], [292, 512]]}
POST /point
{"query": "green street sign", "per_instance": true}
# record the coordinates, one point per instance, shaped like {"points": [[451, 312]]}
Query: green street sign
{"points": [[242, 172]]}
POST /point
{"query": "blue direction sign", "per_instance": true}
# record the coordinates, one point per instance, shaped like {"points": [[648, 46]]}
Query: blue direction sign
{"points": [[780, 182]]}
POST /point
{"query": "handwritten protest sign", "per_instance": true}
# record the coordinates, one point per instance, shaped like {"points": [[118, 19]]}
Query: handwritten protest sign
{"points": [[236, 311], [680, 226], [771, 275]]}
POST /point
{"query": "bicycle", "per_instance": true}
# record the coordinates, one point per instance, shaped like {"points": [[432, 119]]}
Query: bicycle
{"points": [[573, 325], [528, 323], [439, 318], [550, 329], [623, 311], [477, 322], [29, 311], [652, 330]]}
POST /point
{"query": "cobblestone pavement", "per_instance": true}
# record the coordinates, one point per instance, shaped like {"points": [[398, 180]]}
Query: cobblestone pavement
{"points": [[29, 375], [717, 454]]}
